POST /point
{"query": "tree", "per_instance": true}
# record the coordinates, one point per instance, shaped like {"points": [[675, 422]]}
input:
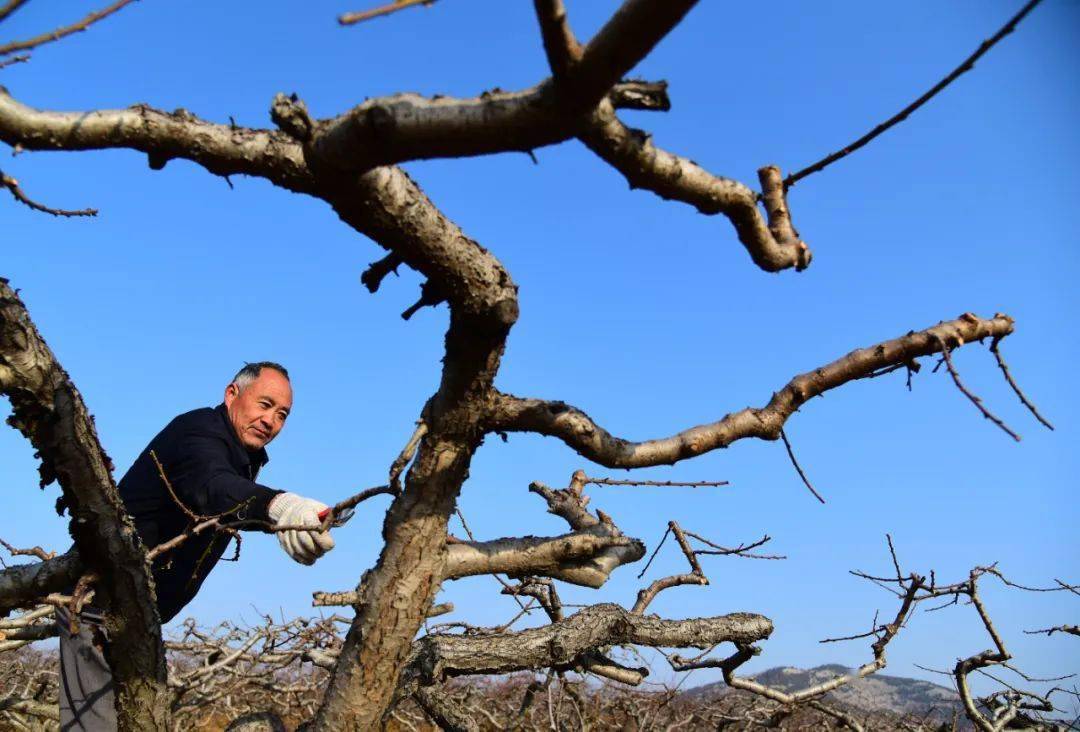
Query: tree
{"points": [[349, 161]]}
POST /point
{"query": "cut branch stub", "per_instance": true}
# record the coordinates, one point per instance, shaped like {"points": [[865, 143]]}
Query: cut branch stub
{"points": [[570, 505]]}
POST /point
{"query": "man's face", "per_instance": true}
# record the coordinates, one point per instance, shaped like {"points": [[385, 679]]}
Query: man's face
{"points": [[258, 411]]}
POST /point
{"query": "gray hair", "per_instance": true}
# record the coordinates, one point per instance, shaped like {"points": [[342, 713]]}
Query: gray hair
{"points": [[251, 371]]}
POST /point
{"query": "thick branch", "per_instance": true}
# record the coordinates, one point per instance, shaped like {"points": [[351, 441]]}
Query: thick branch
{"points": [[619, 46], [50, 412], [575, 428], [570, 504], [22, 584], [773, 245], [575, 558], [221, 149], [560, 645], [444, 712]]}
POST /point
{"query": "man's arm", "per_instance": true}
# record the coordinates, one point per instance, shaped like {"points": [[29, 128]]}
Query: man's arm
{"points": [[207, 483]]}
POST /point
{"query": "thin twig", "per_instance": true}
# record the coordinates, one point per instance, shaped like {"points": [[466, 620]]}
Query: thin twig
{"points": [[360, 16], [342, 506], [742, 550], [59, 33], [663, 483], [657, 549], [35, 551], [903, 114], [1008, 377], [13, 185], [974, 399], [791, 454], [176, 499], [20, 59]]}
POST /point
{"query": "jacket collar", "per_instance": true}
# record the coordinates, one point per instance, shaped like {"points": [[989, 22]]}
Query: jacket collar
{"points": [[259, 457]]}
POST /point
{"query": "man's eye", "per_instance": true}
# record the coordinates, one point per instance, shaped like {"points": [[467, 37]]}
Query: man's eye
{"points": [[264, 404]]}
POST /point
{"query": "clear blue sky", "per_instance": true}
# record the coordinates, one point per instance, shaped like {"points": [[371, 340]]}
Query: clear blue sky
{"points": [[647, 315]]}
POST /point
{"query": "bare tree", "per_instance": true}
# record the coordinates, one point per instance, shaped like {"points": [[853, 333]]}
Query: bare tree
{"points": [[350, 162]]}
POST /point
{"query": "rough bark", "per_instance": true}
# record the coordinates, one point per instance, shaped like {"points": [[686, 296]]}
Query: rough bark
{"points": [[23, 584], [396, 595], [575, 428], [50, 412], [315, 157], [574, 558], [444, 712], [562, 644]]}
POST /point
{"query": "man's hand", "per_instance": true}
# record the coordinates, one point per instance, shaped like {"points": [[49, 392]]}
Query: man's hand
{"points": [[305, 546]]}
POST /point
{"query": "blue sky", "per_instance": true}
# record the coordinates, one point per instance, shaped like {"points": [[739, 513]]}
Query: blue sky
{"points": [[644, 313]]}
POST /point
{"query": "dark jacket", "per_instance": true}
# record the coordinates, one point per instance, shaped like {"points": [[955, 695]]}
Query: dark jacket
{"points": [[212, 473]]}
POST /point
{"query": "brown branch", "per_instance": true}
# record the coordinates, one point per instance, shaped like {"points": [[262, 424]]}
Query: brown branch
{"points": [[375, 273], [406, 455], [914, 583], [967, 65], [560, 645], [360, 16], [1070, 629], [798, 468], [35, 551], [339, 510], [645, 96], [30, 707], [627, 38], [575, 428], [10, 7], [1015, 387], [21, 59], [447, 715], [574, 558], [844, 718], [773, 244], [696, 577], [663, 483], [59, 33], [970, 395], [49, 411], [172, 494], [394, 129], [570, 504], [560, 45], [13, 187], [22, 585]]}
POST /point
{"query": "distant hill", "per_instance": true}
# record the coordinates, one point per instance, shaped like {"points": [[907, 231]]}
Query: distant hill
{"points": [[874, 693]]}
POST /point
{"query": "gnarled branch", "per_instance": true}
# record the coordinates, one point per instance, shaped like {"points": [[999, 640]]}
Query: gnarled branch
{"points": [[557, 419]]}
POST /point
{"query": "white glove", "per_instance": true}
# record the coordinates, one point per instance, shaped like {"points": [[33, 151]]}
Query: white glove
{"points": [[289, 509]]}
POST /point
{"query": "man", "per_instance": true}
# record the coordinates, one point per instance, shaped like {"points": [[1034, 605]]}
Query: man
{"points": [[203, 464]]}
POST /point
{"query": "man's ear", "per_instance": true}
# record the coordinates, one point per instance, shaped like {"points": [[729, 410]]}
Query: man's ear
{"points": [[231, 392]]}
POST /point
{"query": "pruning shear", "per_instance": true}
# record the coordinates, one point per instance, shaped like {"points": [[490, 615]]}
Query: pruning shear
{"points": [[340, 519]]}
